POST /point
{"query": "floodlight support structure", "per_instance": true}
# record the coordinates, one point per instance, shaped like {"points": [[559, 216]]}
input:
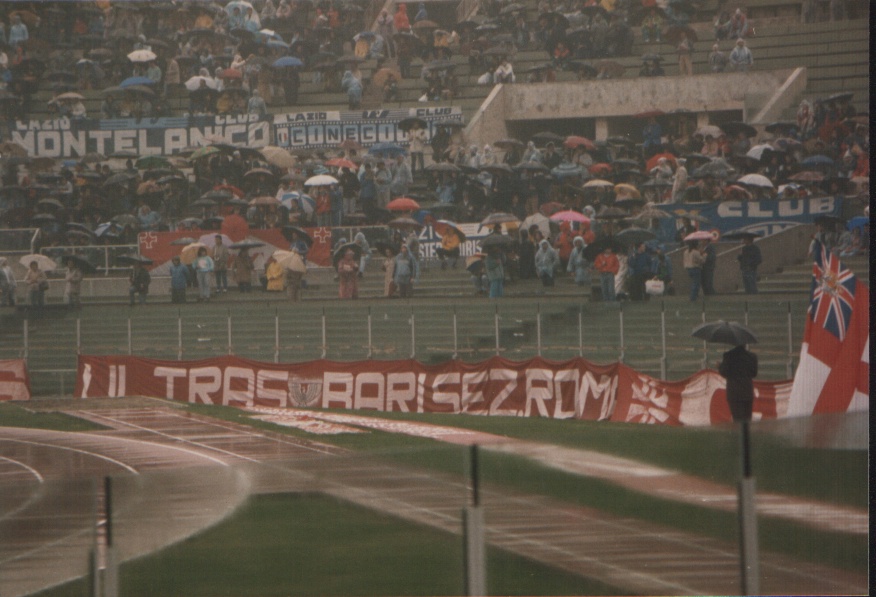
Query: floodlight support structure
{"points": [[473, 530]]}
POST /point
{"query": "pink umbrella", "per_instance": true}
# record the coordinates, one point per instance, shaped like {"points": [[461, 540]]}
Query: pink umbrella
{"points": [[700, 235], [570, 216]]}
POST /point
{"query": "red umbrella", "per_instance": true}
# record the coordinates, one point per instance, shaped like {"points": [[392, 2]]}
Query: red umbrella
{"points": [[574, 141], [231, 73], [403, 204], [230, 188], [600, 169], [652, 161], [341, 163]]}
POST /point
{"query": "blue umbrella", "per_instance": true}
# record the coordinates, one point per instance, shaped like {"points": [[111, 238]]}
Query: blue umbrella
{"points": [[276, 43], [390, 149], [130, 81], [565, 170], [288, 61], [858, 222], [817, 160]]}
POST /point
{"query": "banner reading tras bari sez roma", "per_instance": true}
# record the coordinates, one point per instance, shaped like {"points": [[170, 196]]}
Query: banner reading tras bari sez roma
{"points": [[536, 388], [14, 381]]}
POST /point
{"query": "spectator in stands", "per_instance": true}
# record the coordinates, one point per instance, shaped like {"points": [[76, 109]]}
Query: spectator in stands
{"points": [[17, 32], [651, 26], [578, 266], [383, 184], [717, 60], [275, 277], [422, 13], [749, 260], [607, 265], [723, 25], [353, 87], [139, 281], [521, 31], [504, 72], [739, 26], [741, 59], [256, 105], [449, 248], [148, 219], [494, 269], [693, 261], [641, 269], [203, 265], [652, 68], [401, 21], [402, 178], [684, 49], [220, 256], [707, 248], [7, 284], [406, 272]]}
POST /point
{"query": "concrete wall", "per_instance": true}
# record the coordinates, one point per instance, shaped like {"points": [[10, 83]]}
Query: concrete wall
{"points": [[778, 250], [620, 97]]}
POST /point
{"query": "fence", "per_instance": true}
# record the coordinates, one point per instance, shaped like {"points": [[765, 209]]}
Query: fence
{"points": [[653, 338]]}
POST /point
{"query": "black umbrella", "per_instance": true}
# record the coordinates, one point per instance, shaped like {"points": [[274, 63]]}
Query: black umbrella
{"points": [[80, 262], [246, 244], [133, 260], [734, 128], [592, 251], [497, 241], [741, 235], [342, 250], [634, 236], [548, 137], [724, 332], [409, 123], [288, 230]]}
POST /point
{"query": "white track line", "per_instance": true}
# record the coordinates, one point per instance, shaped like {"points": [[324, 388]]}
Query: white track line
{"points": [[80, 451], [30, 469]]}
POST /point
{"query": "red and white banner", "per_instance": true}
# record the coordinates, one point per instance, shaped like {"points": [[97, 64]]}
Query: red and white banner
{"points": [[533, 388], [14, 382]]}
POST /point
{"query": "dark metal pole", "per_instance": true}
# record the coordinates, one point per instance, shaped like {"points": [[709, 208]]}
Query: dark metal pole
{"points": [[475, 496], [108, 508]]}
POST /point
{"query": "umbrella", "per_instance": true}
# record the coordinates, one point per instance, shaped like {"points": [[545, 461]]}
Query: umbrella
{"points": [[693, 217], [508, 144], [756, 180], [672, 34], [50, 202], [246, 244], [287, 62], [547, 137], [736, 127], [781, 127], [499, 218], [741, 235], [551, 207], [152, 161], [320, 180], [292, 261], [570, 216], [597, 182], [300, 232], [611, 213], [135, 82], [473, 263], [259, 172], [627, 189], [815, 161], [539, 220], [80, 262], [403, 204], [43, 263], [342, 250], [390, 149], [652, 161], [183, 240], [758, 151], [499, 241], [404, 224], [410, 122], [69, 96], [441, 227], [709, 130], [736, 192], [203, 202], [807, 176], [188, 224], [350, 145], [651, 213], [699, 235], [217, 195], [203, 152], [190, 252], [304, 202], [341, 163], [194, 83], [629, 202], [724, 332], [593, 250], [828, 220], [498, 169], [142, 56], [531, 167], [634, 236], [133, 260], [264, 200], [718, 168]]}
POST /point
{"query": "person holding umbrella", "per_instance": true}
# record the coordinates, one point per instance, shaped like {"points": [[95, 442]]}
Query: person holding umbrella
{"points": [[739, 367], [179, 280], [579, 267], [449, 247], [7, 284], [242, 267], [494, 268]]}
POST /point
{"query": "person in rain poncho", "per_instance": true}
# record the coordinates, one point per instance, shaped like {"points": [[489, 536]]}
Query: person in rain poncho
{"points": [[406, 273], [546, 262], [353, 87], [578, 265]]}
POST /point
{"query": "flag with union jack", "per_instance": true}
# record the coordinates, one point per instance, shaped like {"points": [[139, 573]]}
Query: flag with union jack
{"points": [[833, 374]]}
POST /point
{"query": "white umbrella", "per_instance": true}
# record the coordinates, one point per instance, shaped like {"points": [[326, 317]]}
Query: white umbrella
{"points": [[291, 260], [142, 56], [190, 252], [709, 130], [43, 263], [194, 83], [320, 180], [756, 180], [598, 182], [756, 152], [540, 220]]}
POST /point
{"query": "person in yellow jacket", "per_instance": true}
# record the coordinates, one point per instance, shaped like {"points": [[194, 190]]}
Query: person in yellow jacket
{"points": [[275, 275], [449, 248]]}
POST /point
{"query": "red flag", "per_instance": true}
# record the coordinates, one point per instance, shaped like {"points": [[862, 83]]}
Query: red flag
{"points": [[833, 374]]}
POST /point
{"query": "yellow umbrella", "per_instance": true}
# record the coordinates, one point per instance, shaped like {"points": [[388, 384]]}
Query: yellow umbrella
{"points": [[627, 190], [190, 252]]}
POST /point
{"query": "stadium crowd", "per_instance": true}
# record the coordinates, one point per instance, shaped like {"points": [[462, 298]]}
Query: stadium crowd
{"points": [[244, 58]]}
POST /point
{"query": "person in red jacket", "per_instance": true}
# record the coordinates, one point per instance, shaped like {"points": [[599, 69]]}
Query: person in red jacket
{"points": [[607, 265], [401, 21]]}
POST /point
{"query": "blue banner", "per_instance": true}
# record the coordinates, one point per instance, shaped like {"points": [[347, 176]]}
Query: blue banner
{"points": [[764, 217]]}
